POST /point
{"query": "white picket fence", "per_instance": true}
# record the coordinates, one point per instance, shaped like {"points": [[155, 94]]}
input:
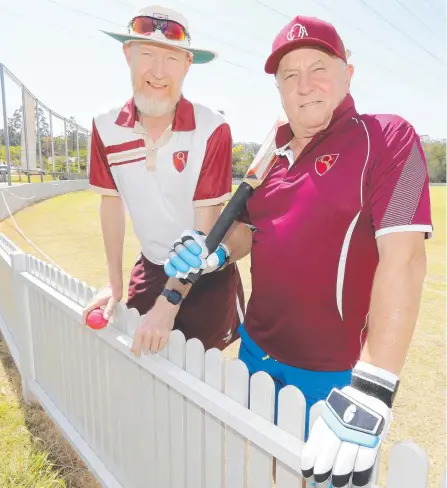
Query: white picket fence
{"points": [[179, 419]]}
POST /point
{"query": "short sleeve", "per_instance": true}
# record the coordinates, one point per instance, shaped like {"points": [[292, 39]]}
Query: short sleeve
{"points": [[399, 195], [215, 179], [101, 179]]}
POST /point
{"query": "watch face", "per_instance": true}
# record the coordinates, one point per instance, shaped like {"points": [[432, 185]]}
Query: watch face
{"points": [[175, 297]]}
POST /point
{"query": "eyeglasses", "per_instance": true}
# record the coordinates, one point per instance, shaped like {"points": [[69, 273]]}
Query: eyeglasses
{"points": [[146, 26]]}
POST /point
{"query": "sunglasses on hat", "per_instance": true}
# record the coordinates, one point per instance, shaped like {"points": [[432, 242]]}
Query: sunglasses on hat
{"points": [[145, 25]]}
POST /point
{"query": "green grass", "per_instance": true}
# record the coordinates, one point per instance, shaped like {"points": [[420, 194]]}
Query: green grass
{"points": [[67, 228], [33, 178], [20, 463]]}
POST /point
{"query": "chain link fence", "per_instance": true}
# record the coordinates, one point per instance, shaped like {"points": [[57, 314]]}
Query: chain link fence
{"points": [[36, 143]]}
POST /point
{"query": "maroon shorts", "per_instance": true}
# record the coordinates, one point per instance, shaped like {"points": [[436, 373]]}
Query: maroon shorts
{"points": [[212, 310]]}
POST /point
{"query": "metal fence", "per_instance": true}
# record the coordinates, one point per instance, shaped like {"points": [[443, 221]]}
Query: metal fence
{"points": [[36, 143]]}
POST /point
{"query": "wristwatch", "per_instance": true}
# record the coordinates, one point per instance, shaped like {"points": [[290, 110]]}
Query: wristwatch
{"points": [[173, 296]]}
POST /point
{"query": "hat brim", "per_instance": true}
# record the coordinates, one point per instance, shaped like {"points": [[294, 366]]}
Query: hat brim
{"points": [[272, 63], [200, 56]]}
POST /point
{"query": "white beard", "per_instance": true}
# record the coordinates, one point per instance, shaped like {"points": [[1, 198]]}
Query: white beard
{"points": [[154, 108]]}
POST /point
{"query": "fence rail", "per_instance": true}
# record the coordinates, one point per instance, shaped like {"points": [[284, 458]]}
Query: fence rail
{"points": [[185, 418]]}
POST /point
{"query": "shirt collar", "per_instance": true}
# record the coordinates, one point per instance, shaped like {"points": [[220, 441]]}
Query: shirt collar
{"points": [[184, 119], [345, 109]]}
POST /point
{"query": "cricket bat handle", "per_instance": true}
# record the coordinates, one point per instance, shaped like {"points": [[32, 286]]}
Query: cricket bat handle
{"points": [[226, 219]]}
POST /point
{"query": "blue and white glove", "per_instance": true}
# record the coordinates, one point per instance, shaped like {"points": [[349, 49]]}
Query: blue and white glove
{"points": [[190, 254], [344, 441]]}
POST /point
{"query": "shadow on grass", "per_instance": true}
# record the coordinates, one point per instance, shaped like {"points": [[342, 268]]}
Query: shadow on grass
{"points": [[44, 434]]}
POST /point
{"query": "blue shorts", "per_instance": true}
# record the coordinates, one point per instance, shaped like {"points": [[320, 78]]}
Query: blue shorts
{"points": [[314, 385]]}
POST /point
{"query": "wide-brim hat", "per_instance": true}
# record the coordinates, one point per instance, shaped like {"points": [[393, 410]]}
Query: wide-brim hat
{"points": [[199, 56]]}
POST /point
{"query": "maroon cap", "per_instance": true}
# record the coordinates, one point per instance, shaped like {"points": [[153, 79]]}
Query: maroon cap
{"points": [[301, 32]]}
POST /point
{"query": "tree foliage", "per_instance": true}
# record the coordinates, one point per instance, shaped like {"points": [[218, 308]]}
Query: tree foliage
{"points": [[434, 150], [436, 159]]}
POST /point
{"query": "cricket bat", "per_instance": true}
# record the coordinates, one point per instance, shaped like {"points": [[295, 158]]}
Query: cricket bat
{"points": [[255, 175]]}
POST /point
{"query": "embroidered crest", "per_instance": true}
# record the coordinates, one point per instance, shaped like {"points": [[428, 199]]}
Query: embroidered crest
{"points": [[180, 158], [324, 163], [298, 31]]}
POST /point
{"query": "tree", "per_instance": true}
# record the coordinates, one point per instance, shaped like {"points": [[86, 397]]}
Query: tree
{"points": [[435, 154], [71, 134], [15, 128], [241, 160], [42, 125]]}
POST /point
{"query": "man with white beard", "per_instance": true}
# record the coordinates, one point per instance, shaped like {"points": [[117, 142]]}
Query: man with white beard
{"points": [[169, 163]]}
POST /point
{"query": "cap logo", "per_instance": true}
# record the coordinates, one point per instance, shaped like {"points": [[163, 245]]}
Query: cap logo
{"points": [[161, 16], [298, 31]]}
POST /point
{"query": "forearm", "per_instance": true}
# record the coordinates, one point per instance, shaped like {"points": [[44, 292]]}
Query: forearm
{"points": [[394, 308], [113, 220], [239, 240]]}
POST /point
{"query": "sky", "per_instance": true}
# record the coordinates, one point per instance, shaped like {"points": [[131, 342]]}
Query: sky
{"points": [[398, 52]]}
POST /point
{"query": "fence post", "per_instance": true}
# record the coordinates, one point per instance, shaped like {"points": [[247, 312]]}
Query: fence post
{"points": [[25, 338], [77, 150], [5, 122], [67, 168], [52, 144]]}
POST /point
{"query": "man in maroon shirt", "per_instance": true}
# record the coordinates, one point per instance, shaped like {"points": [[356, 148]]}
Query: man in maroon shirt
{"points": [[338, 254]]}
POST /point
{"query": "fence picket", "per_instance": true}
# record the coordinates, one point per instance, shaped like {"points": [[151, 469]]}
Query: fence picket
{"points": [[195, 365], [66, 285], [54, 278], [408, 466], [177, 405], [443, 482], [79, 389], [74, 283], [236, 387], [47, 274], [144, 432], [42, 270], [37, 335], [148, 427], [69, 362], [55, 326], [291, 418], [214, 429], [262, 402]]}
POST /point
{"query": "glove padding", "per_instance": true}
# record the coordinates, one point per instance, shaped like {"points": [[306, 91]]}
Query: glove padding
{"points": [[344, 442], [190, 254]]}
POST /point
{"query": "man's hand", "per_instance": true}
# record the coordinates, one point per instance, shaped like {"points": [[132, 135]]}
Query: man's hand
{"points": [[107, 298], [190, 254], [153, 333], [343, 444]]}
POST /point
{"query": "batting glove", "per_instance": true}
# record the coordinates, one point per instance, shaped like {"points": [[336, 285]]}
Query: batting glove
{"points": [[344, 441], [190, 254]]}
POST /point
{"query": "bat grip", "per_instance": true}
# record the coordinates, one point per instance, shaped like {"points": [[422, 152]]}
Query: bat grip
{"points": [[226, 219]]}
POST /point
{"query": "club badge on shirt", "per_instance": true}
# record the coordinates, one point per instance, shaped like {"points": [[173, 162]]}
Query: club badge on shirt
{"points": [[324, 163], [180, 158]]}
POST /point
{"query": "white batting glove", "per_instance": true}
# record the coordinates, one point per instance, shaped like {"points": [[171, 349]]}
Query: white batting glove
{"points": [[344, 441]]}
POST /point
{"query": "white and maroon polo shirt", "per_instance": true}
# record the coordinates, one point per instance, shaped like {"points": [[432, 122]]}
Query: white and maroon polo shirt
{"points": [[316, 221], [161, 183]]}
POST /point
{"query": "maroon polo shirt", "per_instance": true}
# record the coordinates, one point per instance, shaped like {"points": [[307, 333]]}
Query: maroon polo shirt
{"points": [[316, 221]]}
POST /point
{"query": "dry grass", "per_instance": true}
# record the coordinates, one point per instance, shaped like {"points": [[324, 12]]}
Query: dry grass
{"points": [[33, 452], [67, 229]]}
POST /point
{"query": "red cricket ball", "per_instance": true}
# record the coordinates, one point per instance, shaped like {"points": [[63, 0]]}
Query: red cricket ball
{"points": [[95, 319]]}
